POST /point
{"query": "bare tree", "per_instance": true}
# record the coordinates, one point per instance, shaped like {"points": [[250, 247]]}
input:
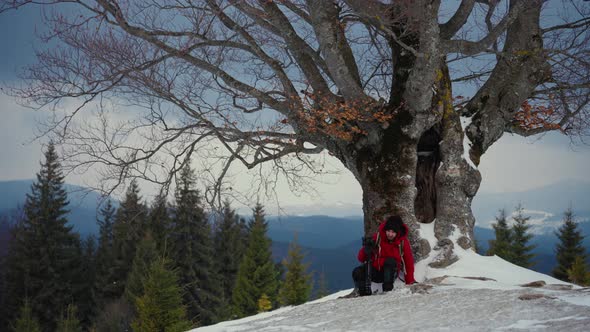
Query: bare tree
{"points": [[370, 82]]}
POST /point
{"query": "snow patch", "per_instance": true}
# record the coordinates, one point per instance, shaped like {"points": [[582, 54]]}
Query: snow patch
{"points": [[505, 274], [426, 231], [455, 234], [577, 300], [538, 324], [465, 122]]}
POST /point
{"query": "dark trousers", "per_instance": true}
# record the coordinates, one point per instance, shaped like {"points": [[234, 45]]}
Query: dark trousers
{"points": [[386, 275]]}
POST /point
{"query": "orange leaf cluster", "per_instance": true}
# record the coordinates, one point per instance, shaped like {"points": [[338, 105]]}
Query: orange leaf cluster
{"points": [[535, 117], [341, 119]]}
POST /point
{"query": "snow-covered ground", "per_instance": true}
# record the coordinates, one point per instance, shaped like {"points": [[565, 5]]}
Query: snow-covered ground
{"points": [[456, 302]]}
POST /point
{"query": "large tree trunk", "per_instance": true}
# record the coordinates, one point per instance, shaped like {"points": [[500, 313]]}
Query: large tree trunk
{"points": [[456, 183], [425, 180]]}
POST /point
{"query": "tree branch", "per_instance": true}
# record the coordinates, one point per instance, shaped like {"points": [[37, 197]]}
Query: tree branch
{"points": [[458, 20], [335, 48], [184, 54], [473, 47]]}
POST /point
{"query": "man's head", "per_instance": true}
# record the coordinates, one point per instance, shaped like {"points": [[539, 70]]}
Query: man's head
{"points": [[393, 226]]}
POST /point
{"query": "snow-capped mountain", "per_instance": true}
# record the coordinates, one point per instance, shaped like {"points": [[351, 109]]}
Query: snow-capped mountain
{"points": [[477, 293], [544, 205]]}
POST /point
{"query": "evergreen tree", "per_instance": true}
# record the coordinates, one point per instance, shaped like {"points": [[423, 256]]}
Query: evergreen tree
{"points": [[128, 230], [160, 223], [264, 303], [257, 274], [69, 322], [569, 247], [26, 322], [88, 298], [17, 269], [322, 288], [296, 287], [3, 291], [145, 255], [578, 273], [229, 249], [521, 249], [192, 252], [160, 308], [4, 241], [106, 279], [501, 246], [477, 246], [115, 316], [45, 256]]}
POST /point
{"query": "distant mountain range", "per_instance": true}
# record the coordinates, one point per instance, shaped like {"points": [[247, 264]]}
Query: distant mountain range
{"points": [[545, 205], [332, 242]]}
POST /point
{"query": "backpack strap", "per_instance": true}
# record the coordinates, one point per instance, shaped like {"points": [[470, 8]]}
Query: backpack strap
{"points": [[378, 243], [401, 255]]}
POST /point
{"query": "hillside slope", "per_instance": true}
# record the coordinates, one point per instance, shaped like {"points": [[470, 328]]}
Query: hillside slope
{"points": [[455, 302]]}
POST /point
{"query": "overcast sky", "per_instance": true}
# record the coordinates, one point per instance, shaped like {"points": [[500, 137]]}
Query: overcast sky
{"points": [[512, 164]]}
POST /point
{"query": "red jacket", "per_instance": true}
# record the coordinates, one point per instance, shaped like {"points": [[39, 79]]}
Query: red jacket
{"points": [[400, 246]]}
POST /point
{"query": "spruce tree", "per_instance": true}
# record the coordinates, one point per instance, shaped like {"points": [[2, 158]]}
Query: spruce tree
{"points": [[192, 252], [4, 240], [115, 316], [322, 288], [26, 321], [296, 287], [13, 273], [69, 321], [3, 291], [88, 293], [160, 223], [501, 245], [45, 254], [145, 255], [106, 279], [521, 249], [578, 273], [229, 249], [128, 229], [569, 247], [257, 274], [264, 303], [160, 307]]}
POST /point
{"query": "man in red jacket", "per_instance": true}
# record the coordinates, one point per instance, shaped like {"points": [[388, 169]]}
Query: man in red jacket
{"points": [[390, 256]]}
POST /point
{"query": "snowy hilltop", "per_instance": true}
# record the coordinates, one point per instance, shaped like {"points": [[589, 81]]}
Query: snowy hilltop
{"points": [[477, 293]]}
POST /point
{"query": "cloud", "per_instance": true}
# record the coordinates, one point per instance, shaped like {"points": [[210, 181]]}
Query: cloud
{"points": [[19, 154], [517, 164], [541, 222]]}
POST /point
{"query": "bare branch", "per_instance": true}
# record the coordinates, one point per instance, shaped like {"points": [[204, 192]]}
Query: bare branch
{"points": [[583, 22], [185, 54], [458, 20], [474, 47], [335, 48], [377, 15], [297, 47]]}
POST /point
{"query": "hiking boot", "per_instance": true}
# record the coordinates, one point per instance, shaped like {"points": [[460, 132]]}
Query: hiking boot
{"points": [[354, 293]]}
